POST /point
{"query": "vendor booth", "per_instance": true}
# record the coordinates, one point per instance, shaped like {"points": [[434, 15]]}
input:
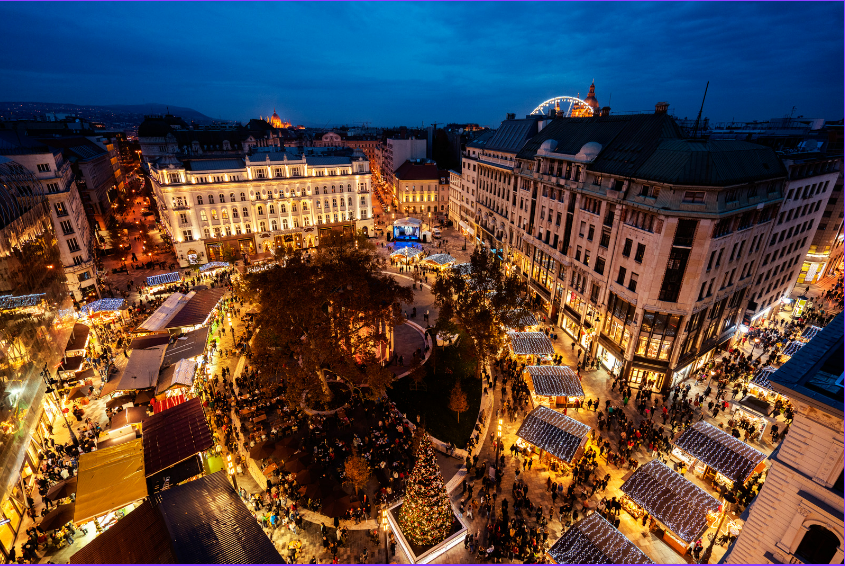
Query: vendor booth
{"points": [[109, 480], [439, 261], [555, 437], [183, 313], [554, 386], [791, 349], [463, 268], [78, 341], [104, 310], [761, 387], [809, 333], [593, 540], [522, 320], [141, 371], [213, 266], [681, 510], [406, 254], [156, 281], [532, 345], [177, 376], [752, 411], [715, 455]]}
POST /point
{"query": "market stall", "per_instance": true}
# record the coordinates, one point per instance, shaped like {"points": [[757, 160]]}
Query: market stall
{"points": [[177, 376], [140, 372], [523, 320], [761, 387], [213, 266], [109, 479], [78, 340], [751, 411], [716, 455], [156, 281], [681, 510], [809, 333], [592, 540], [555, 437], [406, 254], [554, 386], [104, 310], [791, 349], [463, 268], [531, 344], [439, 261]]}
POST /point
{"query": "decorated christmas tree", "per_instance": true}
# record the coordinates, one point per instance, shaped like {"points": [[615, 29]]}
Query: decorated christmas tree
{"points": [[426, 515]]}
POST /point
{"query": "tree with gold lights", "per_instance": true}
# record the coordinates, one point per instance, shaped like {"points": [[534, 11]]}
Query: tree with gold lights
{"points": [[426, 515]]}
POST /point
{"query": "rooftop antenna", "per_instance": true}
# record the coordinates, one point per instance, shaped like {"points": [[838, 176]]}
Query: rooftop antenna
{"points": [[698, 119]]}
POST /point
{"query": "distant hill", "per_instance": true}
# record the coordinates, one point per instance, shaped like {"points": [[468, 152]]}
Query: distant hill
{"points": [[112, 116]]}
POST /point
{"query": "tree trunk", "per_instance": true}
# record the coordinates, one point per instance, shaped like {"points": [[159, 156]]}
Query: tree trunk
{"points": [[324, 383]]}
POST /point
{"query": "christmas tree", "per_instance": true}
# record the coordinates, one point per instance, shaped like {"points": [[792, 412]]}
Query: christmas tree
{"points": [[426, 515]]}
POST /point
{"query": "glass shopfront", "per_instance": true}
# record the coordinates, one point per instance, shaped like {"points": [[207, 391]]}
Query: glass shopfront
{"points": [[657, 335], [645, 379], [608, 360], [570, 325]]}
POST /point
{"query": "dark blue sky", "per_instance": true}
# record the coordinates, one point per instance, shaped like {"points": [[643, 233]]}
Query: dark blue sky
{"points": [[412, 63]]}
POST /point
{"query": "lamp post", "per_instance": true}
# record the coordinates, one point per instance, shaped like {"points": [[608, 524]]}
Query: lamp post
{"points": [[384, 528], [49, 382], [499, 440]]}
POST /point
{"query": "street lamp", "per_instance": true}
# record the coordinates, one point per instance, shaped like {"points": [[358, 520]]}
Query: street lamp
{"points": [[384, 528], [49, 382]]}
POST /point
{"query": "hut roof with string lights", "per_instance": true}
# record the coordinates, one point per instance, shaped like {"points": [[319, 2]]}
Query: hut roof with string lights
{"points": [[530, 344], [761, 377], [730, 457], [671, 499], [792, 348], [559, 435], [593, 540], [554, 381]]}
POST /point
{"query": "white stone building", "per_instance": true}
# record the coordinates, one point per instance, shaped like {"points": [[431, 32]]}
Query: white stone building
{"points": [[268, 198], [797, 517]]}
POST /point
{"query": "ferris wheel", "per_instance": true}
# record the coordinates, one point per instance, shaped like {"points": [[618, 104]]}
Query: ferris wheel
{"points": [[566, 105]]}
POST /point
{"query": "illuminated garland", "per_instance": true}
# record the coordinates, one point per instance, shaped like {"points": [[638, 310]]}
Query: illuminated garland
{"points": [[8, 302], [214, 265], [671, 498], [530, 343], [108, 304], [440, 259], [792, 348], [593, 540], [554, 432], [163, 279], [463, 268], [761, 377], [426, 515], [732, 458], [557, 381], [810, 333], [407, 252]]}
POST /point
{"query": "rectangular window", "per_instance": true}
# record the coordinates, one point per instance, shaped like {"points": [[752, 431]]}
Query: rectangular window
{"points": [[594, 293], [626, 249], [694, 197], [43, 167], [599, 267], [67, 227], [621, 277], [638, 257], [587, 257], [73, 245], [578, 253], [591, 232], [632, 283], [605, 239], [60, 209]]}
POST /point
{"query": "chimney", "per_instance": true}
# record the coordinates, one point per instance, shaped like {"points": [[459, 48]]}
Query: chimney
{"points": [[510, 116], [661, 108], [605, 111]]}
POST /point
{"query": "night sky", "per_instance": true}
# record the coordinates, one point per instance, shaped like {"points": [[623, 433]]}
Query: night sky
{"points": [[417, 63]]}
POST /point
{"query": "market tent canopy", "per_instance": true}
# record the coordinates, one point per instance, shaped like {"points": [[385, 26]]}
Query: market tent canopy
{"points": [[149, 340], [141, 537], [109, 479], [163, 279], [212, 265], [407, 251], [671, 499], [522, 318], [554, 432], [761, 377], [530, 343], [130, 416], [72, 363], [182, 373], [104, 305], [198, 307], [555, 381], [792, 348], [141, 371], [188, 345], [209, 524], [165, 312], [592, 540], [174, 435], [440, 259], [730, 457]]}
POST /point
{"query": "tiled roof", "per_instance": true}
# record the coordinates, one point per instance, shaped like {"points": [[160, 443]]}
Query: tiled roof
{"points": [[197, 309], [409, 171], [214, 164], [592, 540], [209, 524], [671, 498], [554, 432], [174, 435], [512, 135], [189, 345], [558, 381], [815, 371], [141, 537], [721, 451]]}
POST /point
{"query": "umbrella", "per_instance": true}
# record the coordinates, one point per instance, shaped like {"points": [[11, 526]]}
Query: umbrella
{"points": [[337, 507], [58, 517], [62, 489], [77, 392], [309, 475], [319, 490], [261, 450], [284, 452], [119, 401], [298, 464]]}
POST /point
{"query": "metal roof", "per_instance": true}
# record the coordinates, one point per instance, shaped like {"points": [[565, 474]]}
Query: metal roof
{"points": [[188, 345], [214, 164], [174, 435], [198, 307], [512, 135]]}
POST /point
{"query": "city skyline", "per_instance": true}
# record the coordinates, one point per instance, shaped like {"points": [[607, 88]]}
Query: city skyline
{"points": [[421, 63]]}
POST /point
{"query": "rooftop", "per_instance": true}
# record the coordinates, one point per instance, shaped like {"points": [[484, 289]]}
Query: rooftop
{"points": [[411, 171], [512, 135], [593, 540], [554, 432]]}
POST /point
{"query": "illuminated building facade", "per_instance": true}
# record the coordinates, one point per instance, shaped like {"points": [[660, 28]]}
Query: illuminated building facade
{"points": [[422, 189], [218, 208]]}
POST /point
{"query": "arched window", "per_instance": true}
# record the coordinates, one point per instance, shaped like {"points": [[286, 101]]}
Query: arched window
{"points": [[272, 209], [818, 546], [210, 199], [350, 202], [274, 225], [246, 212], [349, 187], [203, 216], [334, 203], [318, 204], [293, 207], [237, 228], [231, 197], [325, 190], [214, 214], [327, 203], [284, 209], [199, 199], [234, 212], [332, 188], [222, 198], [243, 197], [248, 228], [224, 214], [284, 223], [262, 226], [260, 210]]}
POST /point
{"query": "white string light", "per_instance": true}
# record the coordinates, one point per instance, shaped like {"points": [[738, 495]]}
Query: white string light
{"points": [[530, 343], [107, 304], [440, 259], [809, 333], [214, 265], [671, 499], [554, 432], [463, 268], [11, 302], [163, 279], [792, 348], [761, 377], [408, 252], [593, 540], [555, 381], [732, 458]]}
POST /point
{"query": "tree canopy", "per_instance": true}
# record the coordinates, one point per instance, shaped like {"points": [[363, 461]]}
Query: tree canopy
{"points": [[325, 314], [482, 301]]}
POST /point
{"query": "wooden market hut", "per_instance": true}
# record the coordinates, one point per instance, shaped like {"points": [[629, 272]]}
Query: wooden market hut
{"points": [[682, 511], [556, 385], [593, 540], [554, 434], [718, 455], [530, 344]]}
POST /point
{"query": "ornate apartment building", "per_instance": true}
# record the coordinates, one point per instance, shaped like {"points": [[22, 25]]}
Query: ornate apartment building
{"points": [[268, 198], [421, 189], [645, 247], [463, 186], [797, 517]]}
